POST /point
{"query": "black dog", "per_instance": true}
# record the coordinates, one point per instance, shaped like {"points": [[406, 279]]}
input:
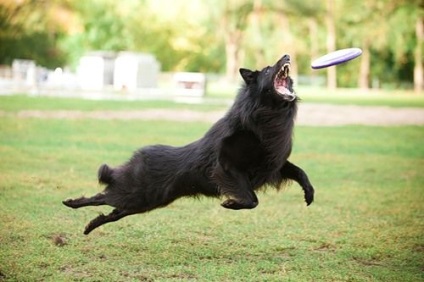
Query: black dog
{"points": [[244, 151]]}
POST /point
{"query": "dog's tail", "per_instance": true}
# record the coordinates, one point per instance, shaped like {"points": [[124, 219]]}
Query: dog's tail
{"points": [[105, 174]]}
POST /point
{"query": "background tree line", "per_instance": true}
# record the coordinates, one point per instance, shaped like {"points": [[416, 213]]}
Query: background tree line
{"points": [[222, 35]]}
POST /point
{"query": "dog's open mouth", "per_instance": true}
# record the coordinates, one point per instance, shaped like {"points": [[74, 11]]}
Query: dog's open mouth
{"points": [[281, 83]]}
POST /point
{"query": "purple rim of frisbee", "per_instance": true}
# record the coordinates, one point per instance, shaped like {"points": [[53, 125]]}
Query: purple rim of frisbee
{"points": [[336, 57]]}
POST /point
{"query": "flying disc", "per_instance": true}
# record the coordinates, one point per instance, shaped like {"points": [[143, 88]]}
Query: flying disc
{"points": [[336, 58]]}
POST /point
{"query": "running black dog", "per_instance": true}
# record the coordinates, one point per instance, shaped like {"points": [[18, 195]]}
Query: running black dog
{"points": [[245, 150]]}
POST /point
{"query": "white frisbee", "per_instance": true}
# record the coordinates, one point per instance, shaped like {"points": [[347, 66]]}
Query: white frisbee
{"points": [[336, 58]]}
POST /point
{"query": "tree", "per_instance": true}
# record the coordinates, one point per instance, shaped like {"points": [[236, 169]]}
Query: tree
{"points": [[232, 18], [182, 38], [221, 35], [31, 30], [357, 31], [408, 39], [302, 25], [331, 41], [102, 25], [419, 62]]}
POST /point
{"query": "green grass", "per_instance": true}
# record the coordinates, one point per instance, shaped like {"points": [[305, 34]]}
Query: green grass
{"points": [[355, 97], [366, 224], [342, 96], [214, 101], [13, 103]]}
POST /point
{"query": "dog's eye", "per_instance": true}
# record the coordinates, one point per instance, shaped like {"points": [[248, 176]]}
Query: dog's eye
{"points": [[267, 70]]}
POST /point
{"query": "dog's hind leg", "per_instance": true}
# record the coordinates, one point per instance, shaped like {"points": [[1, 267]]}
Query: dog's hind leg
{"points": [[96, 200], [115, 215], [291, 171]]}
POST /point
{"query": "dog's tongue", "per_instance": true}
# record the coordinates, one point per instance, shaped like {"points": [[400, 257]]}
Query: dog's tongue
{"points": [[281, 87], [283, 90]]}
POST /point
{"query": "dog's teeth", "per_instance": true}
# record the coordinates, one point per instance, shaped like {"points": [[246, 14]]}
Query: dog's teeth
{"points": [[285, 70]]}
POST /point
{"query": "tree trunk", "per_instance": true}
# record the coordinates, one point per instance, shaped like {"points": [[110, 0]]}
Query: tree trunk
{"points": [[313, 43], [331, 43], [418, 54], [288, 45], [256, 19], [232, 47], [364, 71], [313, 38]]}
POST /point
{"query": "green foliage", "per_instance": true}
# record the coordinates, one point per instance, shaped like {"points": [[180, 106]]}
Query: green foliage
{"points": [[386, 27], [26, 33], [192, 35], [366, 223]]}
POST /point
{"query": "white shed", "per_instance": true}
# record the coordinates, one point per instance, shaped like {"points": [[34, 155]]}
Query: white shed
{"points": [[95, 70], [24, 72], [135, 70]]}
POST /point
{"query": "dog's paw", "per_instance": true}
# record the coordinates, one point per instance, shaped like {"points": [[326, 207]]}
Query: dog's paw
{"points": [[69, 203], [234, 205], [309, 196], [230, 204]]}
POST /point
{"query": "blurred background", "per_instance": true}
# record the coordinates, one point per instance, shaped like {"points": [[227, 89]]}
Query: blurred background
{"points": [[149, 46]]}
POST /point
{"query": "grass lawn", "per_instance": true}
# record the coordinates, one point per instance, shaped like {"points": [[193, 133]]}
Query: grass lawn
{"points": [[15, 103], [367, 223], [342, 96], [355, 97], [213, 101]]}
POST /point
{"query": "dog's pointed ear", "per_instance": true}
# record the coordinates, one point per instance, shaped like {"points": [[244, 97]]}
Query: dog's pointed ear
{"points": [[248, 75]]}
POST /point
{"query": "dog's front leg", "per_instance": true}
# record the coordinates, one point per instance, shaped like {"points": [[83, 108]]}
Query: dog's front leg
{"points": [[291, 171], [249, 201], [236, 186]]}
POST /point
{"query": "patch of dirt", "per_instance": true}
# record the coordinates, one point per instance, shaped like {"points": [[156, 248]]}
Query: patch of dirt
{"points": [[308, 114], [325, 247], [59, 240], [368, 262]]}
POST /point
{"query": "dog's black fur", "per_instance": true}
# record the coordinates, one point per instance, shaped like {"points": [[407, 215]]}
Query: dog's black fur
{"points": [[245, 150]]}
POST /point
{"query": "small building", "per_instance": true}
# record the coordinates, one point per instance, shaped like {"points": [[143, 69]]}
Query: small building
{"points": [[24, 72], [191, 84], [95, 70], [134, 71], [123, 70]]}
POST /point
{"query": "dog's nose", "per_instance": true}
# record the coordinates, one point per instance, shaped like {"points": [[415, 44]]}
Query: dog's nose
{"points": [[287, 58]]}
